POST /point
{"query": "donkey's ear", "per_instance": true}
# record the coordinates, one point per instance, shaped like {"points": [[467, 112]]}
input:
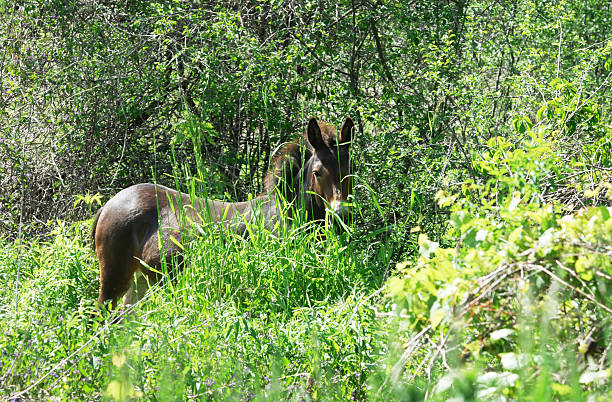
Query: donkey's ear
{"points": [[314, 134], [346, 132]]}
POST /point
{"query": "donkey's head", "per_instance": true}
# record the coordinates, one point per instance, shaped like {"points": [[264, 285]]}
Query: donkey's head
{"points": [[328, 173]]}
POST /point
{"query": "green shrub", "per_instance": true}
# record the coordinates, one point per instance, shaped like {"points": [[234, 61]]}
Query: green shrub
{"points": [[521, 305]]}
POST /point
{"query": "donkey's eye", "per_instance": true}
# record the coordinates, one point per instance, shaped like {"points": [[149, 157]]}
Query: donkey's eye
{"points": [[317, 173]]}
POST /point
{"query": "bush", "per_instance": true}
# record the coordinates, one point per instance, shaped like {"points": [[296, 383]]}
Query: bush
{"points": [[520, 305]]}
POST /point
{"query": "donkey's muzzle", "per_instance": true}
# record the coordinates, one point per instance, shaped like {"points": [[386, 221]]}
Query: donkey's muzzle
{"points": [[341, 213]]}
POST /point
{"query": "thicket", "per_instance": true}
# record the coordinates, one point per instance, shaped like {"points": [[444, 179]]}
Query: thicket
{"points": [[483, 153], [100, 95]]}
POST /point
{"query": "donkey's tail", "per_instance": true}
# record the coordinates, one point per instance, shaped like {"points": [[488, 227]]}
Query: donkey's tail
{"points": [[93, 228]]}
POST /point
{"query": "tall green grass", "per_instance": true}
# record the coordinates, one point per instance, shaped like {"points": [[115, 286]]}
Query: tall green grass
{"points": [[282, 315]]}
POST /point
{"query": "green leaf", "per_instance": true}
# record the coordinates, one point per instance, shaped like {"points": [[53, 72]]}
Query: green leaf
{"points": [[561, 389], [395, 286], [175, 241], [436, 317], [541, 111]]}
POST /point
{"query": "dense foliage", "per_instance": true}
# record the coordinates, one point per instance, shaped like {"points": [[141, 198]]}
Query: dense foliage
{"points": [[479, 265], [526, 289]]}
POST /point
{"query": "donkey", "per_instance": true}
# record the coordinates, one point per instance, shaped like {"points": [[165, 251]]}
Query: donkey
{"points": [[126, 232]]}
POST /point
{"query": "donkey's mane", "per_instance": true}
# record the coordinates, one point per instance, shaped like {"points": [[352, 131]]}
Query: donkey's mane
{"points": [[288, 161]]}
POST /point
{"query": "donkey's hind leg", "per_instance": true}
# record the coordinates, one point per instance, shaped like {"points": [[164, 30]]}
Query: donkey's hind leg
{"points": [[137, 290], [116, 275]]}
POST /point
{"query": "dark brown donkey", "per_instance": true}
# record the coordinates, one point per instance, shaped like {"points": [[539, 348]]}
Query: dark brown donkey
{"points": [[313, 177]]}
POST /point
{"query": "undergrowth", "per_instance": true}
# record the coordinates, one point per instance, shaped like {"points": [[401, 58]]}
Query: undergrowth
{"points": [[272, 316], [505, 293], [513, 302]]}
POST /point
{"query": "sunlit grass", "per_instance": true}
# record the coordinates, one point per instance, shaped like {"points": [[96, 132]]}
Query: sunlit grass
{"points": [[273, 315]]}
